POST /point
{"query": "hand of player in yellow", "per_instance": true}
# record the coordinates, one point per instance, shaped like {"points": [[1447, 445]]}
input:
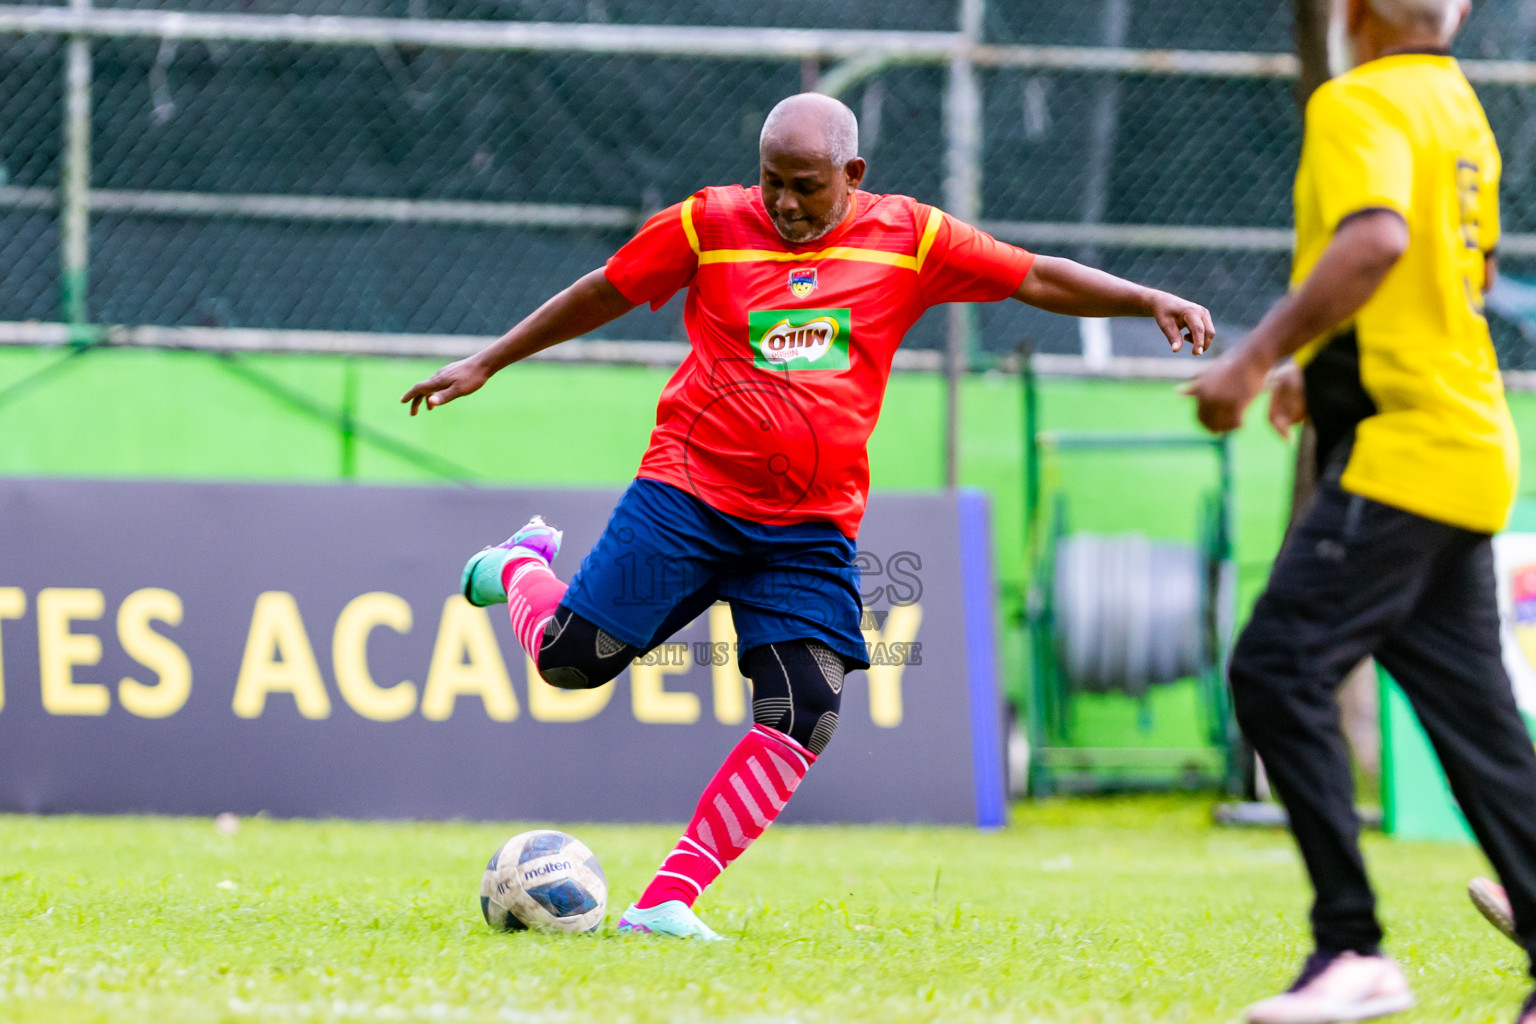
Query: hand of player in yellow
{"points": [[1287, 399], [1225, 390]]}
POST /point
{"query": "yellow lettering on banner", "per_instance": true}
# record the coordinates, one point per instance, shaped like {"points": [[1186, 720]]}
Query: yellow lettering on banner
{"points": [[885, 706], [729, 685], [467, 662], [13, 605], [59, 651], [157, 653], [649, 697], [349, 656], [548, 703], [279, 659]]}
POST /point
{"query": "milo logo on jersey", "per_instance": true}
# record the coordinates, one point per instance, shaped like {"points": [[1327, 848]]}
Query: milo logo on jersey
{"points": [[800, 339]]}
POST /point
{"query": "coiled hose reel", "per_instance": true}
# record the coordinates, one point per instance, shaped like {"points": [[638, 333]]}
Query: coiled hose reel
{"points": [[1130, 613], [1120, 615]]}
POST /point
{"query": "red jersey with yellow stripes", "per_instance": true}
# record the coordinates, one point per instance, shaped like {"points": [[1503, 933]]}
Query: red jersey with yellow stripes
{"points": [[791, 345]]}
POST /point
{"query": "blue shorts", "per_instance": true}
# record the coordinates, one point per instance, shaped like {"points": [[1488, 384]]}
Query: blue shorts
{"points": [[665, 557]]}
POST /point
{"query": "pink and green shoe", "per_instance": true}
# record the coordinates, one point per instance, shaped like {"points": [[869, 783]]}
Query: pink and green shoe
{"points": [[481, 581], [673, 919]]}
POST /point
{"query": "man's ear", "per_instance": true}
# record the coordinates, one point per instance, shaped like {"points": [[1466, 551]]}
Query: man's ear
{"points": [[1354, 14], [854, 171], [1462, 16]]}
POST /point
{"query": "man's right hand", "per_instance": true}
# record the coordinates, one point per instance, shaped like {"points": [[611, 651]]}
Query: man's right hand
{"points": [[1287, 399], [455, 380]]}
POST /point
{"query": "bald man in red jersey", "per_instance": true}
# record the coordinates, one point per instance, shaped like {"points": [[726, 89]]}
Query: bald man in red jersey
{"points": [[799, 291]]}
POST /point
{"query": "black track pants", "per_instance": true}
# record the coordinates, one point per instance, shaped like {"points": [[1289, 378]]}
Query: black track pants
{"points": [[1359, 578]]}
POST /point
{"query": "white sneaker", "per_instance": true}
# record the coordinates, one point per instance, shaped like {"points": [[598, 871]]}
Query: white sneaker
{"points": [[1336, 987], [1492, 902], [1528, 1011]]}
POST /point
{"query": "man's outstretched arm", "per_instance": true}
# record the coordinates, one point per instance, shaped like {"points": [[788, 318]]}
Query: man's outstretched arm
{"points": [[580, 309], [1059, 285]]}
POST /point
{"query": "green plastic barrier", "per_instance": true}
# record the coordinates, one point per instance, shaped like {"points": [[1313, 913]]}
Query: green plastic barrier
{"points": [[1416, 799]]}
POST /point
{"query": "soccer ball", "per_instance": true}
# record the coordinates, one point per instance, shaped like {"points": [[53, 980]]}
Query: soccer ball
{"points": [[545, 880]]}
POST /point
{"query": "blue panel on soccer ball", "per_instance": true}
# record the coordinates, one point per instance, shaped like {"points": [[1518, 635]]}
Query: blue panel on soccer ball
{"points": [[545, 844], [596, 869], [508, 920], [490, 865], [563, 898]]}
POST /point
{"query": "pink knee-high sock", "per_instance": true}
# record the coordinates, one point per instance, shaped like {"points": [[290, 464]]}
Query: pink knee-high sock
{"points": [[533, 594], [740, 802]]}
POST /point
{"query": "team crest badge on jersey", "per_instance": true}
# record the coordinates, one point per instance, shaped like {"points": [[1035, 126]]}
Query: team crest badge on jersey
{"points": [[800, 339], [802, 282]]}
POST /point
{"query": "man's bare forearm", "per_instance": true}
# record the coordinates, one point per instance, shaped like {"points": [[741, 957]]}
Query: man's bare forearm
{"points": [[583, 307], [1351, 269], [1059, 285], [1064, 286], [580, 309]]}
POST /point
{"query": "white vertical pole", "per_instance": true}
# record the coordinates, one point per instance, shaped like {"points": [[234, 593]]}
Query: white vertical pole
{"points": [[74, 200], [1098, 342], [1338, 36], [962, 124]]}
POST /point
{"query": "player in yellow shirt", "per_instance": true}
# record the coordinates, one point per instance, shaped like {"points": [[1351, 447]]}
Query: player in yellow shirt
{"points": [[1396, 222]]}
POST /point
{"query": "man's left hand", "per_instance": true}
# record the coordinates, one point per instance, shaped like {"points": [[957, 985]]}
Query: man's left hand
{"points": [[1226, 389], [1287, 399]]}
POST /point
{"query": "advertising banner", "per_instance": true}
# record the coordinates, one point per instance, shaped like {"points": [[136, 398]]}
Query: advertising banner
{"points": [[1417, 799], [302, 650], [1514, 556]]}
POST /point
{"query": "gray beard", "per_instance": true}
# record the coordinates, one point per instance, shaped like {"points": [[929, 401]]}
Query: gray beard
{"points": [[839, 214]]}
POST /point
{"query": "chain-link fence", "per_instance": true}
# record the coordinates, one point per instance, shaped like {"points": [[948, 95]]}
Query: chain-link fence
{"points": [[378, 173]]}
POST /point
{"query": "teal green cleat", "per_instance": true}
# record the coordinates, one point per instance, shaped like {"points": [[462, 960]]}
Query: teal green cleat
{"points": [[673, 919], [481, 582]]}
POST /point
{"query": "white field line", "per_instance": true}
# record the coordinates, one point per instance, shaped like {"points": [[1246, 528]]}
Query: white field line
{"points": [[662, 354], [677, 41], [358, 209], [361, 343], [335, 343], [333, 208], [659, 40], [1142, 236]]}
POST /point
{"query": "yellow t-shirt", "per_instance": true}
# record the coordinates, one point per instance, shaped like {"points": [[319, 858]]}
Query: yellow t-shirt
{"points": [[1406, 133]]}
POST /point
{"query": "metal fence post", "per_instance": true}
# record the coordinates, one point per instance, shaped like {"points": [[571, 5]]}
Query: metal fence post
{"points": [[75, 183], [962, 126], [1098, 162]]}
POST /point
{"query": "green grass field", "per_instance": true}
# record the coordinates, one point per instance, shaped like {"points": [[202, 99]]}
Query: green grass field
{"points": [[1081, 911]]}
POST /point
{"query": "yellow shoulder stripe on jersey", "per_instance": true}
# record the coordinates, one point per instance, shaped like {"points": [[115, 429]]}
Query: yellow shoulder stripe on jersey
{"points": [[836, 252], [930, 232], [693, 236]]}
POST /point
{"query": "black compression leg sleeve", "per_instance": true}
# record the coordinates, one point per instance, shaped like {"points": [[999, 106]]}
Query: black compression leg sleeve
{"points": [[576, 654], [797, 687]]}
